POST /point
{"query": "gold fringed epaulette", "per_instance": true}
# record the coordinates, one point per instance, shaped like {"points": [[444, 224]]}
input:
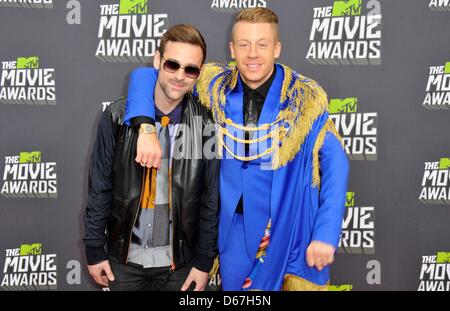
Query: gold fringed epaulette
{"points": [[306, 102], [328, 127], [215, 79]]}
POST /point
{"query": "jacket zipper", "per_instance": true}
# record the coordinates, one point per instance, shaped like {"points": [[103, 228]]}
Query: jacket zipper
{"points": [[135, 217], [172, 265]]}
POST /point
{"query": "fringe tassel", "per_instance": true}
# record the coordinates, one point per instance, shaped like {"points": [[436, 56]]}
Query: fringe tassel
{"points": [[328, 127], [308, 98], [215, 268], [214, 81]]}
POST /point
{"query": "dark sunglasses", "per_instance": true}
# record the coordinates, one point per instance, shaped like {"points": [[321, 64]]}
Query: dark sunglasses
{"points": [[172, 66]]}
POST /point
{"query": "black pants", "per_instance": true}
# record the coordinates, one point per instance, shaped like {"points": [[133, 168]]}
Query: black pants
{"points": [[133, 277]]}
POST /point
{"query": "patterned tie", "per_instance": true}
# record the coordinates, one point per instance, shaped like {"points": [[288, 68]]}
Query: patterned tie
{"points": [[250, 117], [251, 113]]}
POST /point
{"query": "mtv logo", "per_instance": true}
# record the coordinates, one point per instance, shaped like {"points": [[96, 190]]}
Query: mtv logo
{"points": [[340, 288], [346, 8], [27, 62], [350, 199], [30, 249], [338, 105], [444, 163], [447, 68], [443, 257], [30, 157], [133, 7]]}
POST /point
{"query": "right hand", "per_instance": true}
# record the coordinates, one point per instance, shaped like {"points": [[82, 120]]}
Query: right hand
{"points": [[101, 273], [148, 150], [319, 254]]}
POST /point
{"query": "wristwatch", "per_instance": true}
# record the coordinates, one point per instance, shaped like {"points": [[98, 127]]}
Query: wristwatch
{"points": [[147, 129]]}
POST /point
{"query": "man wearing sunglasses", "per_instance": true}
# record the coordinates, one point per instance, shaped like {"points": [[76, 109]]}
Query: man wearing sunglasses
{"points": [[161, 225], [283, 175]]}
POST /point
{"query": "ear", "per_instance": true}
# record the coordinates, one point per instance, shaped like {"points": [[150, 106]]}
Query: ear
{"points": [[157, 60], [232, 50], [277, 52]]}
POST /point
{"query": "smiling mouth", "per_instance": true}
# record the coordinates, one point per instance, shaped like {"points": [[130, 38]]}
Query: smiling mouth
{"points": [[253, 66], [177, 85]]}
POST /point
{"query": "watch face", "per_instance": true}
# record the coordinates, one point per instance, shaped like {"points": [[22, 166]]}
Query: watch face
{"points": [[149, 128]]}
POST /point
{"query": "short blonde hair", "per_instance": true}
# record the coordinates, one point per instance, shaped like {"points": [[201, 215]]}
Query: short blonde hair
{"points": [[257, 15]]}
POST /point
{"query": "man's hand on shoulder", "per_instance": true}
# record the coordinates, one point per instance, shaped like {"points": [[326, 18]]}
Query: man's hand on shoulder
{"points": [[148, 148]]}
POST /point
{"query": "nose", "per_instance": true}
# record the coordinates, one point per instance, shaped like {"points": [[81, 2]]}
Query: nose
{"points": [[252, 53], [179, 74]]}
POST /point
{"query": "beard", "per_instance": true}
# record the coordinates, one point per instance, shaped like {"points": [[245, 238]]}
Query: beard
{"points": [[173, 93]]}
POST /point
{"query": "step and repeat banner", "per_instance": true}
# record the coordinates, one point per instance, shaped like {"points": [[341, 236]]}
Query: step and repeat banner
{"points": [[386, 68]]}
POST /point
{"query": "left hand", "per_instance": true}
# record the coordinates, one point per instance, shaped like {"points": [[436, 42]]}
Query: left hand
{"points": [[200, 279], [319, 254], [148, 150]]}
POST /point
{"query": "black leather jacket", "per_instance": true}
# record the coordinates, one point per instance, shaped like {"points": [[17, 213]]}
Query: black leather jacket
{"points": [[115, 182]]}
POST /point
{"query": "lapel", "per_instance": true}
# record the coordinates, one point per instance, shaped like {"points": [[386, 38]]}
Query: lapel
{"points": [[271, 104]]}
